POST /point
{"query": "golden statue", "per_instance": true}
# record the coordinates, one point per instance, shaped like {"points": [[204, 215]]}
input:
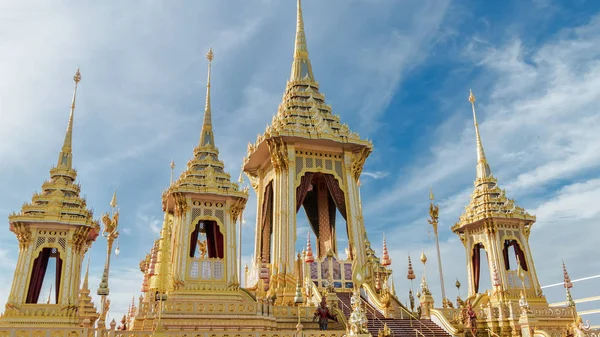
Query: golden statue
{"points": [[202, 248], [433, 213], [110, 225]]}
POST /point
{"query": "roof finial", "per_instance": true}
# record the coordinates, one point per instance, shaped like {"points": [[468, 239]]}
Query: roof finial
{"points": [[113, 201], [483, 168], [172, 169], [66, 155], [206, 136], [431, 196], [301, 67]]}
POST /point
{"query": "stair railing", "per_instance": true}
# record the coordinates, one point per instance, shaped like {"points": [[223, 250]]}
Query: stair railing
{"points": [[417, 333], [491, 333], [413, 317]]}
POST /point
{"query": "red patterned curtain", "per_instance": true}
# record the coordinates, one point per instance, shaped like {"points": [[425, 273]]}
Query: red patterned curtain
{"points": [[37, 275], [302, 189], [267, 220], [194, 240], [520, 254], [476, 265], [58, 274], [312, 212], [505, 254], [336, 193], [214, 240]]}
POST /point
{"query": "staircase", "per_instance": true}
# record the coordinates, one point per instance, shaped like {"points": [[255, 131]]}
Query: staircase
{"points": [[400, 327]]}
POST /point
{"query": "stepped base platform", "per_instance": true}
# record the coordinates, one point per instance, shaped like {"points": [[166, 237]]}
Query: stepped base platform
{"points": [[399, 326]]}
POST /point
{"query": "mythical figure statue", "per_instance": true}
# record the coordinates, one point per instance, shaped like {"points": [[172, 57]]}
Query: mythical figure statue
{"points": [[524, 305], [579, 328], [386, 332], [433, 213], [470, 319], [202, 248], [123, 325], [323, 314], [110, 225], [357, 322]]}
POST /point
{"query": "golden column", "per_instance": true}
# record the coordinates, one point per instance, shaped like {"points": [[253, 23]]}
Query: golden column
{"points": [[111, 233], [434, 220]]}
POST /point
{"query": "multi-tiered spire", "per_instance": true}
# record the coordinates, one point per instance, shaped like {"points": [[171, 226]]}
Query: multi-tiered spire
{"points": [[303, 112], [487, 199], [483, 168], [385, 257], [206, 136], [205, 172], [87, 310], [301, 67], [59, 200]]}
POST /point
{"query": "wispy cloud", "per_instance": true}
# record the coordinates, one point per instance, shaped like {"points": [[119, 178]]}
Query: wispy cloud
{"points": [[375, 174]]}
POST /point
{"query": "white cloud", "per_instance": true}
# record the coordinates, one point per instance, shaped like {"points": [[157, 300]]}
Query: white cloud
{"points": [[375, 174]]}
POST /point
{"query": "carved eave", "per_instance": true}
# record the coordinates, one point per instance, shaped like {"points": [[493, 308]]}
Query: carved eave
{"points": [[487, 202]]}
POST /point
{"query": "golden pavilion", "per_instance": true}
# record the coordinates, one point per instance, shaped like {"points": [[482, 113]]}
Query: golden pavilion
{"points": [[306, 158]]}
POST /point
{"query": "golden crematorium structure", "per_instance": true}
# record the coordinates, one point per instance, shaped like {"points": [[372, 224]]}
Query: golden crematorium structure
{"points": [[306, 159]]}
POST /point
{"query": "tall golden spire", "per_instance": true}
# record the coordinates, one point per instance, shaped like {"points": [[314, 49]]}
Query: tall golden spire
{"points": [[301, 67], [206, 137], [483, 168], [65, 158]]}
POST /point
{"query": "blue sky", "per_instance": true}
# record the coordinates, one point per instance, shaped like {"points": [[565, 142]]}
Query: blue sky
{"points": [[398, 72]]}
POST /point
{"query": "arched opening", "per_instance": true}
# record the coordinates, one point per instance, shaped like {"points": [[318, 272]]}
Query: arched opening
{"points": [[266, 225], [513, 255], [42, 279], [322, 199], [480, 267], [206, 240]]}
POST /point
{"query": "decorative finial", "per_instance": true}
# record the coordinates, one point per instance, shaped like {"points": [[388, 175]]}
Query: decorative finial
{"points": [[483, 168], [495, 277], [308, 258], [210, 56], [66, 155], [431, 196], [457, 284], [301, 67], [423, 257], [113, 201], [568, 285], [172, 170], [207, 137], [241, 178], [385, 258], [411, 272], [567, 280]]}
